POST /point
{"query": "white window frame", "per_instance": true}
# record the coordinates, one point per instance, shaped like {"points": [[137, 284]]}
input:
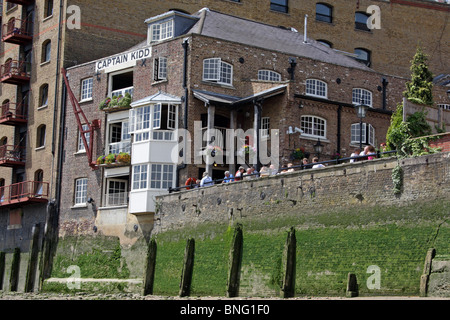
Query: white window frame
{"points": [[316, 88], [313, 127], [81, 147], [86, 89], [362, 96], [80, 195], [121, 195], [161, 176], [160, 69], [265, 127], [268, 75], [368, 134], [215, 70], [162, 31], [140, 177], [151, 129]]}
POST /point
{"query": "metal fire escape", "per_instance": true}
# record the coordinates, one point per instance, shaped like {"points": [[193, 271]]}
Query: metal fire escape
{"points": [[91, 127]]}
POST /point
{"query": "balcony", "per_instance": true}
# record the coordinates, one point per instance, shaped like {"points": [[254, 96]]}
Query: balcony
{"points": [[21, 2], [13, 114], [24, 193], [12, 156], [17, 31], [15, 72]]}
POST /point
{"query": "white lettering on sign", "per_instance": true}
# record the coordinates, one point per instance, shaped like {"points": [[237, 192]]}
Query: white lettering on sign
{"points": [[123, 59]]}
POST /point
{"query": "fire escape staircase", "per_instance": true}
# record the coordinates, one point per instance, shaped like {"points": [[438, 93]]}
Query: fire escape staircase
{"points": [[91, 127]]}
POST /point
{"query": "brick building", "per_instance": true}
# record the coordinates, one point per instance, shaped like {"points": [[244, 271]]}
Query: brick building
{"points": [[194, 75], [40, 37]]}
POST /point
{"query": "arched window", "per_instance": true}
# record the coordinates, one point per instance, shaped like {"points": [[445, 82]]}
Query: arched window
{"points": [[40, 136], [38, 182], [215, 70], [361, 21], [2, 190], [326, 43], [316, 88], [268, 75], [324, 12], [314, 127], [362, 96], [48, 8], [43, 95], [363, 55], [46, 51]]}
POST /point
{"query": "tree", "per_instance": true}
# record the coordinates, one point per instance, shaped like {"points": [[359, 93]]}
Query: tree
{"points": [[419, 89], [402, 135]]}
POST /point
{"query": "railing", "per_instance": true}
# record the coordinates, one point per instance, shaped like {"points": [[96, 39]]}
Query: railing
{"points": [[285, 170], [116, 199], [121, 92], [118, 147], [24, 191], [12, 153], [11, 110], [15, 68], [16, 27]]}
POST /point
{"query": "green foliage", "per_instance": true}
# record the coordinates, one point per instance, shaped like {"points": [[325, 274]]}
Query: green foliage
{"points": [[419, 89], [397, 179], [116, 102], [394, 132]]}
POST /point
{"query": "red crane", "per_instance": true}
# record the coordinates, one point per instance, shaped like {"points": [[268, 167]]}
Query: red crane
{"points": [[91, 127]]}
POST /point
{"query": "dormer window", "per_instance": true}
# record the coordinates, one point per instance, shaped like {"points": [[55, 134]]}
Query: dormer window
{"points": [[162, 31]]}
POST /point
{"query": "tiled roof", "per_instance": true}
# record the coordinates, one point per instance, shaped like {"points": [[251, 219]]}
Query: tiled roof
{"points": [[247, 32]]}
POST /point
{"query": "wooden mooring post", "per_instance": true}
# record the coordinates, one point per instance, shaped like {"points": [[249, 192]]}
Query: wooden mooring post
{"points": [[34, 259], [2, 268], [234, 271], [289, 264], [149, 276], [15, 268], [188, 267]]}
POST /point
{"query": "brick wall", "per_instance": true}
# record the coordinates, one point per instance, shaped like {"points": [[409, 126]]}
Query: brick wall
{"points": [[442, 142]]}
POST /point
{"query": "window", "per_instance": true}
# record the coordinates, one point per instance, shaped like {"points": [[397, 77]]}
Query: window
{"points": [[316, 88], [121, 83], [279, 5], [117, 192], [163, 122], [313, 126], [361, 21], [161, 176], [48, 8], [80, 191], [38, 182], [160, 69], [215, 70], [46, 51], [363, 55], [43, 95], [40, 137], [162, 31], [368, 134], [119, 137], [362, 96], [268, 75], [265, 127], [81, 147], [324, 13], [86, 89], [140, 177], [325, 43]]}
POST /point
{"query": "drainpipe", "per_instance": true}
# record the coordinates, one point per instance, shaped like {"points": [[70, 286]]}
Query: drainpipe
{"points": [[385, 82], [339, 118], [186, 103]]}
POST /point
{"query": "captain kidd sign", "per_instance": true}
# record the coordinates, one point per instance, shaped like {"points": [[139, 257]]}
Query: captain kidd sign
{"points": [[122, 60]]}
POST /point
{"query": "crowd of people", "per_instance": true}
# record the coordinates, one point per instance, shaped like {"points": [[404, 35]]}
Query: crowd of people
{"points": [[368, 153]]}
